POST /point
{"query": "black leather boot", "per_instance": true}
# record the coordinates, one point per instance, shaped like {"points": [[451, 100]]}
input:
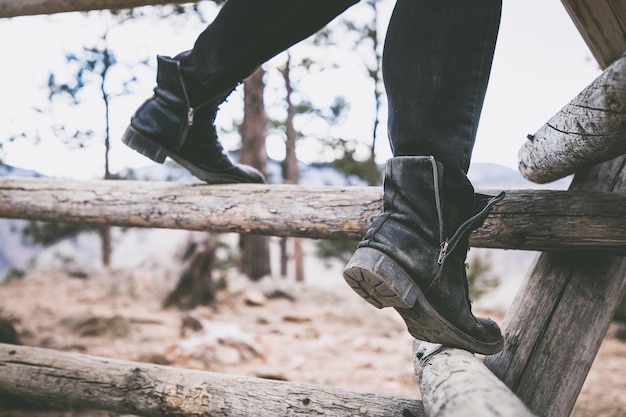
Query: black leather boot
{"points": [[413, 257], [177, 122]]}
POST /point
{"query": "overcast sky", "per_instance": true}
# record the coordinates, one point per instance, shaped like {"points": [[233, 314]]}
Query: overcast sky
{"points": [[541, 63]]}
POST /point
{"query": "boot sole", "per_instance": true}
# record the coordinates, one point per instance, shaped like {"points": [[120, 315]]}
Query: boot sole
{"points": [[136, 141], [383, 283]]}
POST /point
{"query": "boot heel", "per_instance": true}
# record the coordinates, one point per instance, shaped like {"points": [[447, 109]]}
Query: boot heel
{"points": [[144, 146], [380, 280]]}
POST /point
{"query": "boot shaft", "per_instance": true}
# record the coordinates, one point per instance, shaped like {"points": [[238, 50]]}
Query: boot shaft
{"points": [[418, 227], [413, 256]]}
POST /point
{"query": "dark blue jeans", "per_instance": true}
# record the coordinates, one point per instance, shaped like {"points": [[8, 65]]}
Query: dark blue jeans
{"points": [[436, 65]]}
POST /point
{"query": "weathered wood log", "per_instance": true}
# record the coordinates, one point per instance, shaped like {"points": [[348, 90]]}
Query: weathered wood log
{"points": [[602, 25], [589, 130], [90, 382], [530, 220], [455, 383], [555, 326], [13, 8]]}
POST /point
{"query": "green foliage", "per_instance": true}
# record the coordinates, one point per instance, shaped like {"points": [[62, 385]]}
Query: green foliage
{"points": [[47, 234], [366, 170], [225, 257], [479, 276], [336, 249], [13, 274]]}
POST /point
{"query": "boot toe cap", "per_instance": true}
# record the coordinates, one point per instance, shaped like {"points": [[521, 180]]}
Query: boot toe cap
{"points": [[489, 333]]}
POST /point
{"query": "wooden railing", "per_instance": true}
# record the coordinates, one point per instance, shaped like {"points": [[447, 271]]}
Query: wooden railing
{"points": [[14, 8], [526, 219]]}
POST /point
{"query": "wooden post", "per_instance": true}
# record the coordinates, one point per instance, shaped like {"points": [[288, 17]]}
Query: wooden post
{"points": [[13, 8], [455, 383], [531, 220], [559, 318], [589, 130], [601, 23], [91, 382]]}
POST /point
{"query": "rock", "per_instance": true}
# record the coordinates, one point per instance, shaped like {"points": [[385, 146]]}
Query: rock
{"points": [[116, 326], [255, 299]]}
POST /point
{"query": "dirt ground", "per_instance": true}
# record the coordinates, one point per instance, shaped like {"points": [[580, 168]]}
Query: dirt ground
{"points": [[275, 328]]}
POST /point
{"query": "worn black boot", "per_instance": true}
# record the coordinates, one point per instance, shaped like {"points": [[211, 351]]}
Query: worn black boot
{"points": [[413, 258], [177, 122]]}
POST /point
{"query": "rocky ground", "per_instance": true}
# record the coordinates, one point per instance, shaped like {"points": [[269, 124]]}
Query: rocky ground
{"points": [[273, 329]]}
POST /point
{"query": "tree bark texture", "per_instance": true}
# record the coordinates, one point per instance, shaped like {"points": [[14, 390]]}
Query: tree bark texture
{"points": [[90, 382], [589, 130], [555, 326], [13, 8], [291, 172], [456, 383], [254, 126], [254, 261], [529, 220]]}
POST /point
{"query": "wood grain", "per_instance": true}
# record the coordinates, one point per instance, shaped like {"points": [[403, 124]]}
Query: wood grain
{"points": [[90, 382], [561, 314], [13, 8], [602, 23], [589, 130], [456, 383], [526, 219]]}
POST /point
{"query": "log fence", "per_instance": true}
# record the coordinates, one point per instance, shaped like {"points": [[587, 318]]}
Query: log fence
{"points": [[15, 8], [538, 220], [552, 331], [587, 131]]}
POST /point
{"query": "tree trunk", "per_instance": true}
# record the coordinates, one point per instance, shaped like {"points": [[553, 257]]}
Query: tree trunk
{"points": [[195, 286], [254, 261], [284, 256], [107, 245], [298, 256], [255, 257], [291, 173]]}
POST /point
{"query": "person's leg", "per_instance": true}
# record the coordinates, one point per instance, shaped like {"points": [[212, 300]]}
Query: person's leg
{"points": [[177, 121], [436, 65], [247, 33]]}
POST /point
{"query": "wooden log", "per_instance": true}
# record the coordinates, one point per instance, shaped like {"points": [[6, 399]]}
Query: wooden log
{"points": [[602, 23], [13, 8], [555, 326], [589, 130], [455, 383], [90, 382], [530, 220]]}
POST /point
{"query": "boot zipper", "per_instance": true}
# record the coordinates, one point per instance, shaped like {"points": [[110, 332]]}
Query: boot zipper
{"points": [[433, 162], [450, 244], [443, 251], [443, 246], [190, 116]]}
